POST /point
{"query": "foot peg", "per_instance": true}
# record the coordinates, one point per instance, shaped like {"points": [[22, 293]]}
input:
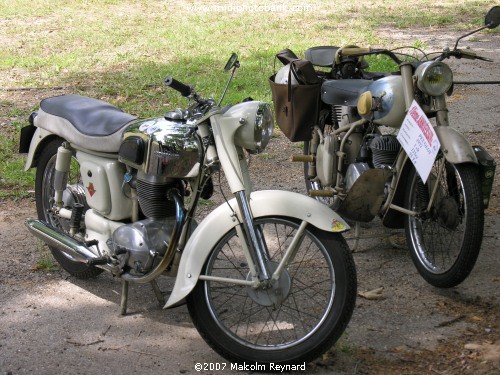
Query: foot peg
{"points": [[322, 193], [98, 261], [303, 158]]}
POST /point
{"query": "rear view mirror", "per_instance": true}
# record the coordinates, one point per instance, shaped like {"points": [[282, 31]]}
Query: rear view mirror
{"points": [[233, 61], [492, 18]]}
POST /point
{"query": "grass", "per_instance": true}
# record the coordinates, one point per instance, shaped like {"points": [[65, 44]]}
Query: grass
{"points": [[14, 182], [119, 50], [45, 261], [265, 156]]}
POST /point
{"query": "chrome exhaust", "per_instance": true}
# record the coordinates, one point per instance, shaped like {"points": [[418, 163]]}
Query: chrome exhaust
{"points": [[78, 251]]}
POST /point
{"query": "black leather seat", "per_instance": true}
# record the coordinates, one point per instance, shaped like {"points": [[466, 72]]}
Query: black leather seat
{"points": [[344, 91], [322, 55], [89, 116]]}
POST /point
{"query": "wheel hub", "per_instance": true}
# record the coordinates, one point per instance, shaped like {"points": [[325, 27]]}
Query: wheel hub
{"points": [[447, 213], [275, 292]]}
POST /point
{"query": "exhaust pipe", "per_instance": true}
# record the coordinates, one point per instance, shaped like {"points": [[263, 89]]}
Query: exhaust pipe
{"points": [[61, 241]]}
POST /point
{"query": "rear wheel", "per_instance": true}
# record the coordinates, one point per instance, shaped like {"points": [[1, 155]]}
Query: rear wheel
{"points": [[445, 240], [294, 321], [44, 195]]}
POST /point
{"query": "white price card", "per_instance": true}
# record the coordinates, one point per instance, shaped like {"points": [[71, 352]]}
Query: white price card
{"points": [[419, 140]]}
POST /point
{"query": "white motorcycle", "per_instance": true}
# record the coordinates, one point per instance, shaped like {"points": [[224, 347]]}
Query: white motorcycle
{"points": [[267, 276]]}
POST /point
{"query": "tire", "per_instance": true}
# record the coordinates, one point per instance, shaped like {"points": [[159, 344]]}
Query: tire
{"points": [[444, 242], [291, 325], [44, 193]]}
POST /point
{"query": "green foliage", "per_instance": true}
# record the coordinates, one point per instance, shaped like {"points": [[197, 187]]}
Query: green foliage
{"points": [[265, 156], [14, 182], [119, 47], [381, 63], [45, 261], [120, 51]]}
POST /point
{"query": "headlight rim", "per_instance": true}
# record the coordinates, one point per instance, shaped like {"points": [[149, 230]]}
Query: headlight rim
{"points": [[423, 73], [263, 126]]}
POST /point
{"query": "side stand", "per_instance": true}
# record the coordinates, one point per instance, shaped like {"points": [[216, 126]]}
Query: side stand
{"points": [[124, 297]]}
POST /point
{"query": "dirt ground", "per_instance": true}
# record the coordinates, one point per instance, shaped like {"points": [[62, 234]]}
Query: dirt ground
{"points": [[51, 323]]}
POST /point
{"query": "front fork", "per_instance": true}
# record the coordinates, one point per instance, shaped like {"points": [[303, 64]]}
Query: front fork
{"points": [[440, 107], [257, 248], [256, 243]]}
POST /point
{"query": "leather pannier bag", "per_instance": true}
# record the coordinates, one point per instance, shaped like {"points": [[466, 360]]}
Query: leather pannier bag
{"points": [[296, 107]]}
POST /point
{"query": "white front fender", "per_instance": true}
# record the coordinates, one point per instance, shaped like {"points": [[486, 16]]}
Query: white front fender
{"points": [[222, 220]]}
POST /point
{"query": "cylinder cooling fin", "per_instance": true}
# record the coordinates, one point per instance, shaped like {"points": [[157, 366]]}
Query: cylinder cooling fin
{"points": [[385, 149], [152, 196]]}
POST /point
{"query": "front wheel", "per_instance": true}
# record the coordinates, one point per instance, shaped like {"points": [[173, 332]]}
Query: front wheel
{"points": [[294, 321], [445, 238]]}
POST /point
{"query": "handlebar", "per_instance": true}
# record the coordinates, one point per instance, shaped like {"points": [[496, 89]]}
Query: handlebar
{"points": [[358, 52], [183, 89], [459, 54]]}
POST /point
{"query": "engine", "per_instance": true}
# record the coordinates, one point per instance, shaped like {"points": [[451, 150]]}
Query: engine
{"points": [[161, 153], [384, 150], [380, 151], [362, 152]]}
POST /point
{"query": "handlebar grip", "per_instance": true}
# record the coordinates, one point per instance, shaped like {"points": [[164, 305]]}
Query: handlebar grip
{"points": [[355, 50], [468, 55], [471, 56], [184, 90], [346, 51]]}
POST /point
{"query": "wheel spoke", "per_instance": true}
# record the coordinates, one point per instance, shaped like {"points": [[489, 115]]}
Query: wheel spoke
{"points": [[289, 320], [278, 321], [445, 239]]}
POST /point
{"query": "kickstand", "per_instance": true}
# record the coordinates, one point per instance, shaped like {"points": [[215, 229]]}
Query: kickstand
{"points": [[357, 227], [124, 299], [158, 293]]}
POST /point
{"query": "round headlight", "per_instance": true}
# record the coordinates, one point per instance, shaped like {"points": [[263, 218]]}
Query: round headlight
{"points": [[434, 78], [264, 124], [254, 125]]}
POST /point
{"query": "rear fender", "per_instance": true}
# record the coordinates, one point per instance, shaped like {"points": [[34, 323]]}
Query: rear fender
{"points": [[222, 220], [39, 139]]}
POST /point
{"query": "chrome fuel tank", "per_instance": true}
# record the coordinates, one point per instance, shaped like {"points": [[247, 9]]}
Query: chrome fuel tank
{"points": [[162, 147]]}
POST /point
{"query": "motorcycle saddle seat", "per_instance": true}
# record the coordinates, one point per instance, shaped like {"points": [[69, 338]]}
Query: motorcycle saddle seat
{"points": [[344, 91], [86, 122], [322, 55]]}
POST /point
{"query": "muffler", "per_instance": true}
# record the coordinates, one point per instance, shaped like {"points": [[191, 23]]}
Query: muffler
{"points": [[76, 250]]}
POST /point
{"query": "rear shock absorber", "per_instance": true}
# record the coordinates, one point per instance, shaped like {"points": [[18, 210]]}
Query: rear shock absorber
{"points": [[62, 168]]}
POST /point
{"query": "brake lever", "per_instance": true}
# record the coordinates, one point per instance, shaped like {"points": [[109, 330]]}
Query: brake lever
{"points": [[484, 58], [470, 55]]}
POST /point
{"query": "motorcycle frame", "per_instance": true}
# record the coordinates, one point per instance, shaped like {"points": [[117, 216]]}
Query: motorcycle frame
{"points": [[455, 148], [239, 213], [187, 253]]}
